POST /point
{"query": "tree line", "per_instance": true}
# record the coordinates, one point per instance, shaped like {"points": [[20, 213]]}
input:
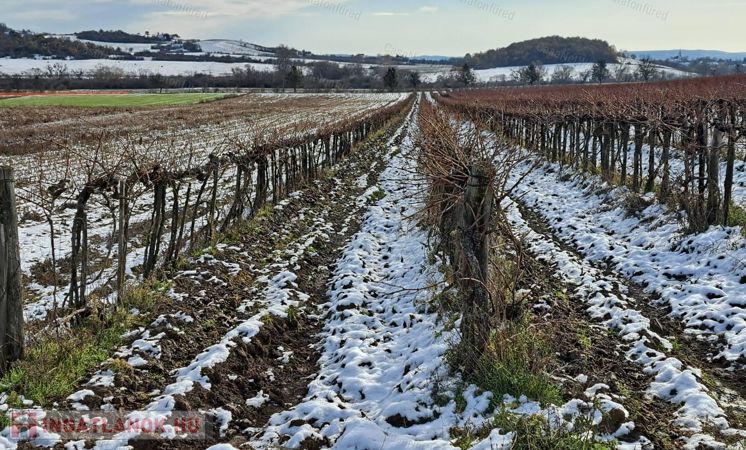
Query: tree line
{"points": [[287, 73], [120, 36]]}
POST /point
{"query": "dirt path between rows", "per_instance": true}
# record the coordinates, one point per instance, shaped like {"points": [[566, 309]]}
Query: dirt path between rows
{"points": [[727, 386], [273, 371], [227, 286]]}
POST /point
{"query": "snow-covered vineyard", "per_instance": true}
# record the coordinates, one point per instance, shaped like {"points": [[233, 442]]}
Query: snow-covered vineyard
{"points": [[382, 271], [183, 151]]}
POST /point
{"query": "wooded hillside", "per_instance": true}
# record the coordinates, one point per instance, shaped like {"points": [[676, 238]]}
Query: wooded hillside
{"points": [[546, 50], [23, 44]]}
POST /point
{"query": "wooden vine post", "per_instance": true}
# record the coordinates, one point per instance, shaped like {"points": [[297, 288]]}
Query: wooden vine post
{"points": [[11, 303], [730, 166], [475, 251], [122, 244], [713, 170]]}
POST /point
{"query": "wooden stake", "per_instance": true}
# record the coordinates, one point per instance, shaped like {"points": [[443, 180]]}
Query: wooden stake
{"points": [[122, 244], [11, 306]]}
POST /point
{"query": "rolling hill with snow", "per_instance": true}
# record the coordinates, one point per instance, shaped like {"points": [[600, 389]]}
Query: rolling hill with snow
{"points": [[173, 56]]}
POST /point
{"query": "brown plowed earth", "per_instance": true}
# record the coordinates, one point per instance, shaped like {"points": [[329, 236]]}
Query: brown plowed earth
{"points": [[333, 200], [652, 416]]}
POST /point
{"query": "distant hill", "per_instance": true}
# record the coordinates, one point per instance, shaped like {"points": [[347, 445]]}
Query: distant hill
{"points": [[690, 54], [546, 50], [25, 44]]}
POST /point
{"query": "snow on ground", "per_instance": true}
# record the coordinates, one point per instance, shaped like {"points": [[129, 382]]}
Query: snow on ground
{"points": [[676, 168], [144, 351], [377, 366], [275, 299], [700, 277], [231, 47], [22, 66], [222, 46], [429, 73], [35, 234], [166, 68], [673, 380], [274, 295], [124, 46], [499, 74], [383, 348]]}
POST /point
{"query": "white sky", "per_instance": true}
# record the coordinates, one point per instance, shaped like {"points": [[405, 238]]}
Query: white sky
{"points": [[411, 27]]}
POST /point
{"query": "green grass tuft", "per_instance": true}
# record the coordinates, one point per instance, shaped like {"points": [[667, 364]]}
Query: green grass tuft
{"points": [[514, 378], [737, 216], [535, 433], [514, 363], [377, 196], [54, 365]]}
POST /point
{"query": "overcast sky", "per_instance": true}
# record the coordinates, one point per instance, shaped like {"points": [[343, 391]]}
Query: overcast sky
{"points": [[410, 27]]}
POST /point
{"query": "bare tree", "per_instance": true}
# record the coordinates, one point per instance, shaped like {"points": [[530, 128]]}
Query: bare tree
{"points": [[646, 70], [414, 79], [57, 71], [531, 74], [563, 75], [283, 62], [621, 73], [465, 75], [294, 78]]}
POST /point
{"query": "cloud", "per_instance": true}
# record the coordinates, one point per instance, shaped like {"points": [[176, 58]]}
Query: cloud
{"points": [[254, 9], [202, 19], [427, 9], [388, 14], [44, 14]]}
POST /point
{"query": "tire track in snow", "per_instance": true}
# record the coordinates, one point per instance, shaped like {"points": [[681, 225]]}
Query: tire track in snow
{"points": [[383, 348], [700, 277], [607, 303], [380, 350], [275, 299]]}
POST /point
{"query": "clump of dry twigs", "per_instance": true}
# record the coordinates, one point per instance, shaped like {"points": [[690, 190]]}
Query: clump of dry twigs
{"points": [[469, 170]]}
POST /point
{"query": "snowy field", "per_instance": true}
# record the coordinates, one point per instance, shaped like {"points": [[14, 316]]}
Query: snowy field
{"points": [[231, 47], [166, 68], [700, 277], [196, 144], [381, 349], [697, 278], [328, 323], [215, 46], [500, 74], [429, 72]]}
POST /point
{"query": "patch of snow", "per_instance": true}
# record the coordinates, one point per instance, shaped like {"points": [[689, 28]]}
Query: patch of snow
{"points": [[258, 400], [673, 381]]}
